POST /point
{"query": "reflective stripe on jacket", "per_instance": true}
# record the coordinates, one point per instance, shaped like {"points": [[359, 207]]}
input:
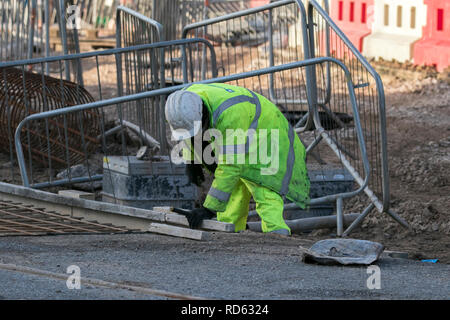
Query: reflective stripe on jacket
{"points": [[258, 144]]}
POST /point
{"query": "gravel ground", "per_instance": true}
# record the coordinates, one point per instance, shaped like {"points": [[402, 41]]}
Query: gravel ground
{"points": [[230, 266], [418, 127]]}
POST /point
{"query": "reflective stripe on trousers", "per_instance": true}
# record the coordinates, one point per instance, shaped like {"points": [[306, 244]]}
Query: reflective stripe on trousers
{"points": [[219, 195]]}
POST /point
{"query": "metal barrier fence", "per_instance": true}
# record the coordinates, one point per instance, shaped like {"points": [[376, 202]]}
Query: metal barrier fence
{"points": [[284, 31], [24, 29], [56, 146], [347, 102], [270, 35], [328, 40], [132, 29], [255, 38], [175, 14], [257, 48], [69, 40]]}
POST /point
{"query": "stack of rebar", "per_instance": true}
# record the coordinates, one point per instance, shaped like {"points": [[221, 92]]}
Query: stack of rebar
{"points": [[24, 93]]}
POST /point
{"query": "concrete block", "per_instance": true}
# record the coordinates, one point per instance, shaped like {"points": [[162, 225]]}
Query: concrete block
{"points": [[145, 184], [178, 232], [132, 166]]}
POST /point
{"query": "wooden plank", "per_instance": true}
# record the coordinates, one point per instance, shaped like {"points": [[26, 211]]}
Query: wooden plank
{"points": [[175, 218], [163, 209], [178, 231], [128, 217], [212, 225], [91, 34], [77, 194], [67, 205], [105, 43]]}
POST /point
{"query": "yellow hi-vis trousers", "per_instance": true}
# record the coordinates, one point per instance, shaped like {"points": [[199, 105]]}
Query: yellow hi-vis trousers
{"points": [[269, 206]]}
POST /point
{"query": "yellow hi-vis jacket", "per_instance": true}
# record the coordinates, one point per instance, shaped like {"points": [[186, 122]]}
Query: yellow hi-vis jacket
{"points": [[257, 143]]}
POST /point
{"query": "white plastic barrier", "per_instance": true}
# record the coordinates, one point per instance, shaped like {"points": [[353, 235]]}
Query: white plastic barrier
{"points": [[397, 25]]}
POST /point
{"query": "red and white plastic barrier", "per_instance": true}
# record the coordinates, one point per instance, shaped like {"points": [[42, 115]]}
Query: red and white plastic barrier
{"points": [[434, 47], [353, 18], [258, 3], [397, 26]]}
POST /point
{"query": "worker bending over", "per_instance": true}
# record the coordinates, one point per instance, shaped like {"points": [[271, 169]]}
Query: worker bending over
{"points": [[248, 144]]}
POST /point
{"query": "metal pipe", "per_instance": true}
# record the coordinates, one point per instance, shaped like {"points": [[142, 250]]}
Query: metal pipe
{"points": [[359, 220], [313, 144], [339, 217], [47, 33], [309, 224], [166, 91], [148, 139], [397, 218], [61, 182]]}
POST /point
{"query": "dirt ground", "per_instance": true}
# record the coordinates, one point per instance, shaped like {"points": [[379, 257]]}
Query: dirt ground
{"points": [[418, 128]]}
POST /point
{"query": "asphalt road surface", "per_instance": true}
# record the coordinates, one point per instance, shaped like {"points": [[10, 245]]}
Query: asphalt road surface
{"points": [[230, 266]]}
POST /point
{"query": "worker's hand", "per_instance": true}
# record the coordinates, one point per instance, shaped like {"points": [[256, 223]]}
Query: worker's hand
{"points": [[211, 167], [195, 174], [196, 216]]}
